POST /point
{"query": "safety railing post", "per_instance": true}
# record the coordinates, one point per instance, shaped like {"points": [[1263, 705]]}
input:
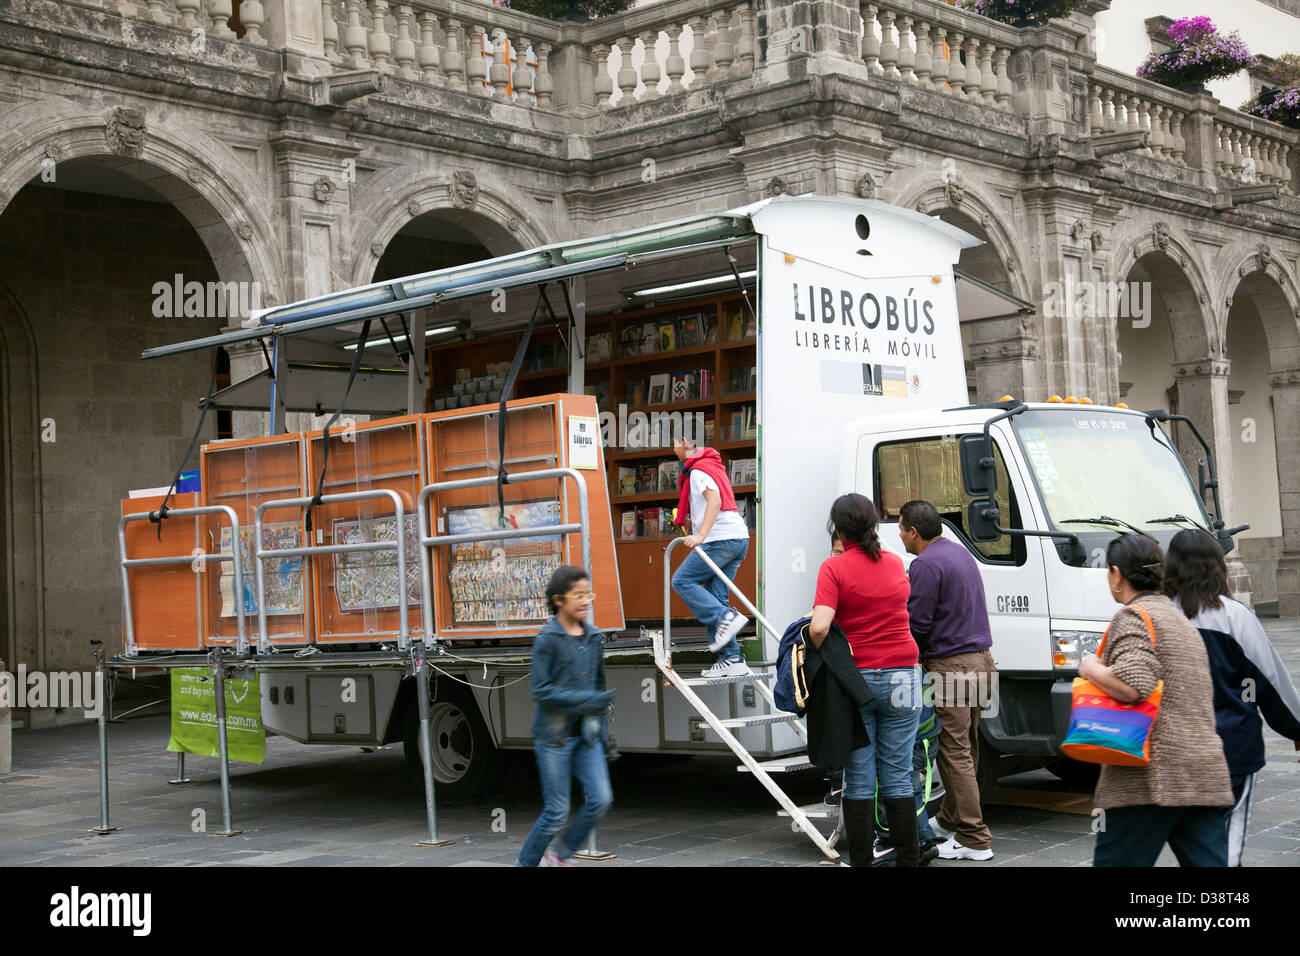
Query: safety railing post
{"points": [[223, 749], [103, 827], [421, 665]]}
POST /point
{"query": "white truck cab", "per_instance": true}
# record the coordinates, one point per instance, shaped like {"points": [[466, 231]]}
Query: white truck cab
{"points": [[1069, 478]]}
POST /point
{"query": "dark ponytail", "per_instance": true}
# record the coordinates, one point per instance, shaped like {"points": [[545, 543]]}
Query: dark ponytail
{"points": [[1195, 571], [854, 519], [1139, 560]]}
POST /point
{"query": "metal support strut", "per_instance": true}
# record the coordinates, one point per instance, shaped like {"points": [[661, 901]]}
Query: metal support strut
{"points": [[426, 746], [103, 828], [223, 750]]}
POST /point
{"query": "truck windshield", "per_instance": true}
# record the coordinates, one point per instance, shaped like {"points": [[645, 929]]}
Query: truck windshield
{"points": [[1094, 464]]}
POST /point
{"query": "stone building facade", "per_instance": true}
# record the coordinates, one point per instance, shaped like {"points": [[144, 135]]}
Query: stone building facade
{"points": [[312, 145]]}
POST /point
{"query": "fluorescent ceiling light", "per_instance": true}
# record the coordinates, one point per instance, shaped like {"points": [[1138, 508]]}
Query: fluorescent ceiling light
{"points": [[664, 289], [401, 337]]}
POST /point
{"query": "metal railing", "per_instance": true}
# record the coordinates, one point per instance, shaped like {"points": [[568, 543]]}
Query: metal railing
{"points": [[261, 554], [193, 558], [427, 541]]}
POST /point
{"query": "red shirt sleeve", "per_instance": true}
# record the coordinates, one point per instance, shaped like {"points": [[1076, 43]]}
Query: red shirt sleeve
{"points": [[828, 587]]}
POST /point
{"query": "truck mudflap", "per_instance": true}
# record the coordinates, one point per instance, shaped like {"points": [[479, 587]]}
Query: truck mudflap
{"points": [[1029, 716]]}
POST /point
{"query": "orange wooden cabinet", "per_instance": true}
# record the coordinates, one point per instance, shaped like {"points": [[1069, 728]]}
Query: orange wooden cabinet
{"points": [[357, 594], [643, 559], [496, 589], [165, 599], [244, 474]]}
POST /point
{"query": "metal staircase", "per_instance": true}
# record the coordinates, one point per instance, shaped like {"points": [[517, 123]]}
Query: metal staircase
{"points": [[725, 727]]}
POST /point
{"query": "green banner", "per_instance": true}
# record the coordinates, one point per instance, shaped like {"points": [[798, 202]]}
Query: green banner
{"points": [[194, 716]]}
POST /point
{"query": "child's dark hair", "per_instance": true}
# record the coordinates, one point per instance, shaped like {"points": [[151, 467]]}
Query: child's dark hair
{"points": [[562, 581], [854, 517], [1195, 571], [1139, 559]]}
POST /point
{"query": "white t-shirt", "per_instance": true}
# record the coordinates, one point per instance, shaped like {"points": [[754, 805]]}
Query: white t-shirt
{"points": [[727, 525]]}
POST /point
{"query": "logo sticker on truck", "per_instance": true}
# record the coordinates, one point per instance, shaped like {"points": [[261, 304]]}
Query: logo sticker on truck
{"points": [[1013, 603]]}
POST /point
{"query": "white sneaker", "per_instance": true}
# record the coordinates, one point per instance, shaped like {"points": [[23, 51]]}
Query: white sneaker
{"points": [[952, 850], [727, 629], [726, 669], [940, 831]]}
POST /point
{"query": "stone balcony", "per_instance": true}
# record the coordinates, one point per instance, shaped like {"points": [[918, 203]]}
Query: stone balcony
{"points": [[587, 97]]}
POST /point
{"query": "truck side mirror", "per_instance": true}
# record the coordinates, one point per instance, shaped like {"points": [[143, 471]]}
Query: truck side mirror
{"points": [[976, 477], [982, 520]]}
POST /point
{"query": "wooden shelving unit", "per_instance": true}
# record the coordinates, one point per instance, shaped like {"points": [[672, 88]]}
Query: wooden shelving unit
{"points": [[614, 379]]}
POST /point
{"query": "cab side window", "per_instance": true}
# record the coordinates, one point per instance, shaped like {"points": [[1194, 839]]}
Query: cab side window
{"points": [[930, 468]]}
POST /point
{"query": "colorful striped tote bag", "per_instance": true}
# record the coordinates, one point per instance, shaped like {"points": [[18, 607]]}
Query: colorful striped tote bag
{"points": [[1104, 730]]}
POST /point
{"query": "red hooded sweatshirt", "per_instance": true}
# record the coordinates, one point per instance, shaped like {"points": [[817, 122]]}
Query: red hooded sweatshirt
{"points": [[709, 462]]}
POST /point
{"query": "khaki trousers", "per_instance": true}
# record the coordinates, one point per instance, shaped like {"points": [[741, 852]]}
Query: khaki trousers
{"points": [[960, 694]]}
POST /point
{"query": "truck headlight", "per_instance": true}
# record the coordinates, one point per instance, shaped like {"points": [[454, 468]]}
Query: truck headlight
{"points": [[1069, 647]]}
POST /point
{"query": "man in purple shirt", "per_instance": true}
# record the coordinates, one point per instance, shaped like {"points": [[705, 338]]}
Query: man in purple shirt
{"points": [[950, 623]]}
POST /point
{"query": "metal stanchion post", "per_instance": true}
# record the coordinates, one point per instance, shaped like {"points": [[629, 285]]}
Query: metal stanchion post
{"points": [[219, 691], [103, 827], [426, 747], [180, 769]]}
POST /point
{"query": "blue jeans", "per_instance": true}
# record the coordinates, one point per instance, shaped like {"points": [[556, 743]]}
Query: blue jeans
{"points": [[557, 765], [705, 593], [891, 718]]}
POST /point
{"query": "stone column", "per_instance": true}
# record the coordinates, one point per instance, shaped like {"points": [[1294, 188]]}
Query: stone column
{"points": [[1198, 130], [1286, 412], [295, 26], [1003, 353], [1203, 397]]}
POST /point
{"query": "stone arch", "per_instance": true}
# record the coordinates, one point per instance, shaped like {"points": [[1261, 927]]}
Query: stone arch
{"points": [[201, 180], [19, 484], [485, 207], [1262, 275], [1172, 266], [935, 196]]}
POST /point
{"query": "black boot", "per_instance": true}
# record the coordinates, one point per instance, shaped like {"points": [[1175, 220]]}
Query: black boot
{"points": [[858, 816], [901, 814]]}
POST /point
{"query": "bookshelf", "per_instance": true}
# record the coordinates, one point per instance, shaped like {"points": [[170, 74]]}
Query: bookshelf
{"points": [[651, 369]]}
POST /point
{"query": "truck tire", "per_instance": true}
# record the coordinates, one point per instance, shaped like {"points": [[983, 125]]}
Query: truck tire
{"points": [[1075, 772], [987, 769], [465, 760]]}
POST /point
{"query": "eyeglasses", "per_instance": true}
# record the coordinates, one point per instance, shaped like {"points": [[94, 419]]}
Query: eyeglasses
{"points": [[583, 596]]}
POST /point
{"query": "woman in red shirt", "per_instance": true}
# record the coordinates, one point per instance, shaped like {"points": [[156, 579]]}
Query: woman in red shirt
{"points": [[865, 591]]}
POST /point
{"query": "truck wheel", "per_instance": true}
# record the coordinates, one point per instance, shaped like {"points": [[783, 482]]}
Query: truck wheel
{"points": [[1075, 772], [987, 769], [465, 760]]}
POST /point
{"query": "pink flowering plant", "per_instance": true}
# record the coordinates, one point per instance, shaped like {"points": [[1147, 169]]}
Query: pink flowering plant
{"points": [[1016, 11], [1201, 53], [1279, 100]]}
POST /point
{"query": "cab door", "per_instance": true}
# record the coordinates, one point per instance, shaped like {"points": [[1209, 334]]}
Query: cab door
{"points": [[898, 467]]}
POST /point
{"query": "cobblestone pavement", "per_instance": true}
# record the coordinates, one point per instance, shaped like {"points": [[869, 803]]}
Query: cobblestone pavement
{"points": [[320, 806]]}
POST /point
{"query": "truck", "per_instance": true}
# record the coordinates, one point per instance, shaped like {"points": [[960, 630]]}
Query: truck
{"points": [[855, 309]]}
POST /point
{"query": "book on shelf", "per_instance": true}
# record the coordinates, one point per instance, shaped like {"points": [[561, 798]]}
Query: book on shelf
{"points": [[743, 471], [667, 336], [708, 328], [706, 383], [688, 335], [598, 348], [647, 478], [634, 393], [735, 323], [710, 429], [649, 338], [748, 424], [630, 340], [743, 380], [737, 425], [751, 325], [626, 481], [650, 520], [600, 391], [668, 472], [684, 387], [628, 529], [659, 385]]}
